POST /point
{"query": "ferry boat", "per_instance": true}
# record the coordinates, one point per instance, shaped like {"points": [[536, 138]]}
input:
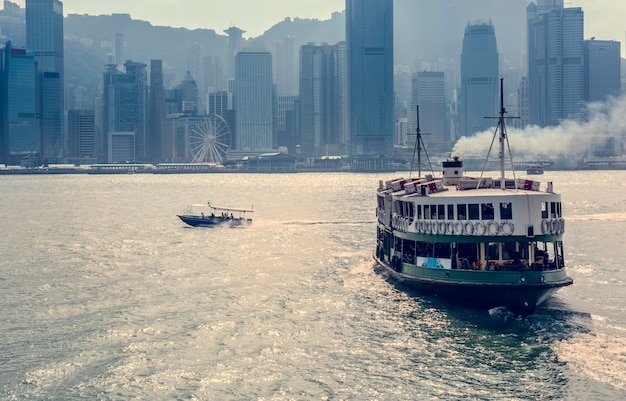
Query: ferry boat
{"points": [[534, 169], [215, 216], [497, 242]]}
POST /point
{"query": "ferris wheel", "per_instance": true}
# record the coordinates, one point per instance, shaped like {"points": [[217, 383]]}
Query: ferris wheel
{"points": [[209, 139]]}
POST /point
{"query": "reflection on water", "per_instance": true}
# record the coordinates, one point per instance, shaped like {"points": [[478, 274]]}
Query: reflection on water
{"points": [[107, 295]]}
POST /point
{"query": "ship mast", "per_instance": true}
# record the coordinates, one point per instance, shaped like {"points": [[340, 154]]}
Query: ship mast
{"points": [[503, 138], [418, 149]]}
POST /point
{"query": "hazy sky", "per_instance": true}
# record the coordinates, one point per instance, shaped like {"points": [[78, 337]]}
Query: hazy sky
{"points": [[604, 19]]}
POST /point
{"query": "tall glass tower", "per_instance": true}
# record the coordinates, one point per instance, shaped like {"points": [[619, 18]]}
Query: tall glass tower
{"points": [[479, 78], [556, 66], [254, 100], [44, 36], [369, 41], [22, 122]]}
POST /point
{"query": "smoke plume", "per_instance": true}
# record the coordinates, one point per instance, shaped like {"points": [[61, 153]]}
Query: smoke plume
{"points": [[605, 123]]}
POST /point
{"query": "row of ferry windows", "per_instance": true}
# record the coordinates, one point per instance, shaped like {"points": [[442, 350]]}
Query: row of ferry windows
{"points": [[471, 211], [551, 210]]}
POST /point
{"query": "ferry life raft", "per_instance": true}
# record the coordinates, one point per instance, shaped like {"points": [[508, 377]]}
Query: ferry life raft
{"points": [[497, 242]]}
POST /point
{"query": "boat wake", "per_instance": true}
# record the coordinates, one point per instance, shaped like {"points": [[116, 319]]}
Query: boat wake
{"points": [[329, 222]]}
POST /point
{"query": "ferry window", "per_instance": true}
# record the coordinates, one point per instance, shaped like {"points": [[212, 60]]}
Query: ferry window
{"points": [[559, 211], [411, 210], [450, 212], [422, 248], [426, 211], [398, 244], [493, 251], [442, 250], [419, 212], [474, 211], [544, 210], [506, 211], [433, 212], [441, 212], [552, 209], [408, 254], [487, 211], [461, 212]]}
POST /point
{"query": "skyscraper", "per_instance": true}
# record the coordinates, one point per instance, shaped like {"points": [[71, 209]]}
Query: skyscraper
{"points": [[369, 41], [21, 122], [44, 36], [319, 103], [254, 101], [286, 67], [156, 112], [556, 73], [124, 115], [602, 70], [235, 42], [81, 134], [479, 78], [429, 94]]}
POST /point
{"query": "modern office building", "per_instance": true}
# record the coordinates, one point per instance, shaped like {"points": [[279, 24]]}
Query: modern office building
{"points": [[320, 101], [156, 112], [81, 135], [125, 108], [603, 77], [188, 95], [369, 41], [429, 94], [235, 44], [44, 36], [286, 67], [478, 96], [51, 117], [21, 124], [217, 103], [118, 47], [556, 67], [287, 123], [254, 102]]}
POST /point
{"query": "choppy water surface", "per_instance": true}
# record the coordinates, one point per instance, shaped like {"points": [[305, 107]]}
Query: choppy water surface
{"points": [[107, 295]]}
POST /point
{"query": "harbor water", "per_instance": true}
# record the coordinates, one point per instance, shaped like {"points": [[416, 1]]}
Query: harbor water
{"points": [[106, 295]]}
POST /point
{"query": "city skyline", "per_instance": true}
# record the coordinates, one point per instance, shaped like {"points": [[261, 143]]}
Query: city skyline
{"points": [[603, 20]]}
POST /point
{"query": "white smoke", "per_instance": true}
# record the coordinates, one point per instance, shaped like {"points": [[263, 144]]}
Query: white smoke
{"points": [[569, 140]]}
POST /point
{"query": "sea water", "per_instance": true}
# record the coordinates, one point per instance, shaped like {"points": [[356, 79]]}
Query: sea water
{"points": [[106, 295]]}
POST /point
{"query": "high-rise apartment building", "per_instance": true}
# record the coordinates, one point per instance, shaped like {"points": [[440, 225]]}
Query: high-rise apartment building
{"points": [[556, 70], [254, 102], [479, 78], [369, 41], [603, 77], [44, 36]]}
